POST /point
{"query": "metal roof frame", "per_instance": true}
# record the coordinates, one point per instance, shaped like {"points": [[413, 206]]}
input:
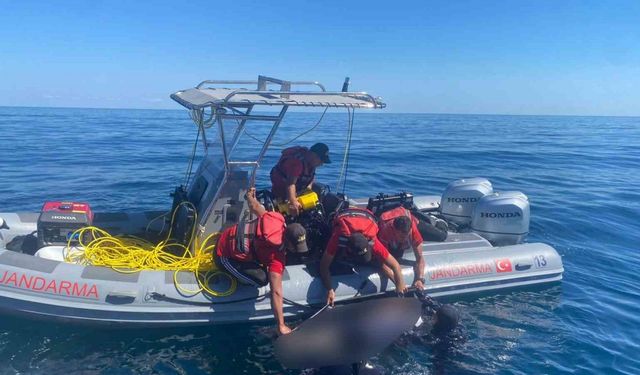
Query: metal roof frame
{"points": [[209, 94]]}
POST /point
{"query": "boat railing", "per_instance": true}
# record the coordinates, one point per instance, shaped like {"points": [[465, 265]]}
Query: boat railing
{"points": [[223, 94], [285, 97], [262, 83]]}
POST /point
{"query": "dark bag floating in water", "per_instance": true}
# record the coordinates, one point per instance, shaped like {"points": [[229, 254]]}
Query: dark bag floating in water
{"points": [[347, 334]]}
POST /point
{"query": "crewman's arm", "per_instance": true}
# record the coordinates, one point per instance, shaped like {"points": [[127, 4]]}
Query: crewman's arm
{"points": [[253, 203], [294, 205], [418, 268], [325, 274], [310, 186], [392, 263], [387, 272], [275, 282]]}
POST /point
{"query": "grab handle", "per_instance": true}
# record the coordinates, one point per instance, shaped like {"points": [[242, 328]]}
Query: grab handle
{"points": [[118, 297]]}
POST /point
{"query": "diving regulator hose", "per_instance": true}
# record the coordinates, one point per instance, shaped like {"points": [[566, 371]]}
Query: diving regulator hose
{"points": [[130, 254]]}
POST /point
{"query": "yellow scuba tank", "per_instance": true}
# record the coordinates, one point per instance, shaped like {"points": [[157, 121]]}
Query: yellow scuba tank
{"points": [[308, 199]]}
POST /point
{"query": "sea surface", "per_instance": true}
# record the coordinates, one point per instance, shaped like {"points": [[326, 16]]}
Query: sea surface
{"points": [[581, 174]]}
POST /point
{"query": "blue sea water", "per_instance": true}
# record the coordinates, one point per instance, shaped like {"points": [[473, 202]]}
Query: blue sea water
{"points": [[581, 175]]}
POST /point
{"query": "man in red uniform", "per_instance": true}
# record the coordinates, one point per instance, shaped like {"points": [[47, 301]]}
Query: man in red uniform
{"points": [[295, 173], [354, 237], [254, 251], [398, 232]]}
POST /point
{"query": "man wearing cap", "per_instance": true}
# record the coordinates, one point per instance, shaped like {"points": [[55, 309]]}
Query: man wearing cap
{"points": [[295, 172], [254, 251], [354, 237]]}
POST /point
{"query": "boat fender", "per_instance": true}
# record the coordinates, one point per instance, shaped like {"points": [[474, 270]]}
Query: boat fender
{"points": [[51, 253]]}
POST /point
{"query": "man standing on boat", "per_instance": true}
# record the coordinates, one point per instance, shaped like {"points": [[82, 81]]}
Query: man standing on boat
{"points": [[354, 235], [398, 232], [295, 173], [254, 251]]}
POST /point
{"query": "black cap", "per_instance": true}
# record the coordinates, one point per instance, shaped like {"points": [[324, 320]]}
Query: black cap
{"points": [[297, 235], [322, 151], [359, 248]]}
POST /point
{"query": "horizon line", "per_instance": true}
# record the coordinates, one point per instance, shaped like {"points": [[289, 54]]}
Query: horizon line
{"points": [[383, 112]]}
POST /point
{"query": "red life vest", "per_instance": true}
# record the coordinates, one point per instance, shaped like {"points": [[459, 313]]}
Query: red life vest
{"points": [[391, 215], [387, 233], [279, 176], [266, 230], [353, 220]]}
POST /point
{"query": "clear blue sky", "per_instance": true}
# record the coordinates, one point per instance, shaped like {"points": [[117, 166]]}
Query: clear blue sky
{"points": [[511, 57]]}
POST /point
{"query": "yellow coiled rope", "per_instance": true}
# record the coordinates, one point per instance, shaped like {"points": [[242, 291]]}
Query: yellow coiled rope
{"points": [[130, 254]]}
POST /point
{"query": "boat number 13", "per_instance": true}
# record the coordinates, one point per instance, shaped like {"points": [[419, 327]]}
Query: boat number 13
{"points": [[540, 261]]}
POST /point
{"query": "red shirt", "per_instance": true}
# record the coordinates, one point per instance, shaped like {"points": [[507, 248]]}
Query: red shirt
{"points": [[273, 257], [378, 250], [390, 236]]}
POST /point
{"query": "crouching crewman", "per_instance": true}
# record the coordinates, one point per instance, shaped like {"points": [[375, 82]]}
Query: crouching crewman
{"points": [[399, 232], [354, 236], [254, 251]]}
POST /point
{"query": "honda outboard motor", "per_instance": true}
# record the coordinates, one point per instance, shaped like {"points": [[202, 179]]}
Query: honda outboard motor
{"points": [[502, 218], [461, 196]]}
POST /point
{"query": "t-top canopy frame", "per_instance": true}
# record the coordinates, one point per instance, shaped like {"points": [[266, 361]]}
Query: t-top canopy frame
{"points": [[206, 94], [237, 104]]}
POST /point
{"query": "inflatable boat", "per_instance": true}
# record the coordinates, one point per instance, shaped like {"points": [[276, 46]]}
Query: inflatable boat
{"points": [[484, 249]]}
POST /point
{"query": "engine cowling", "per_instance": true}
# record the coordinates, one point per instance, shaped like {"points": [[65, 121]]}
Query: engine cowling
{"points": [[502, 217], [461, 196]]}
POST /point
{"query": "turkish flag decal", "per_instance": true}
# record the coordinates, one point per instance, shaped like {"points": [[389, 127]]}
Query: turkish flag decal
{"points": [[503, 265]]}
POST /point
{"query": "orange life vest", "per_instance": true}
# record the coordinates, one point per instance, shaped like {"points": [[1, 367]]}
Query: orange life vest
{"points": [[397, 212], [266, 230], [355, 220], [387, 230]]}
